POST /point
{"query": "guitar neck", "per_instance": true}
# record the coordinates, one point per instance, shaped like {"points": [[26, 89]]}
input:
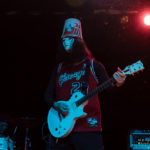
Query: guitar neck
{"points": [[100, 88]]}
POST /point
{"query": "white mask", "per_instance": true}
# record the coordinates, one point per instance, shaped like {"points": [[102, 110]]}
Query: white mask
{"points": [[68, 43]]}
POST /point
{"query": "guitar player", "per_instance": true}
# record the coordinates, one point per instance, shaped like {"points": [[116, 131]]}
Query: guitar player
{"points": [[78, 71]]}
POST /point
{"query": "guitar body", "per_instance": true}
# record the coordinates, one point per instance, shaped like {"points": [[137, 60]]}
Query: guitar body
{"points": [[60, 126]]}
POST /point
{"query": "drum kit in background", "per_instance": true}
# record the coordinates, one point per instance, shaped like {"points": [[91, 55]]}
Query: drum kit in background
{"points": [[6, 143], [9, 137]]}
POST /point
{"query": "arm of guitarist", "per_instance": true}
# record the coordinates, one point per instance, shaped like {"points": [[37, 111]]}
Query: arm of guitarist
{"points": [[62, 107], [120, 78], [50, 91], [102, 75]]}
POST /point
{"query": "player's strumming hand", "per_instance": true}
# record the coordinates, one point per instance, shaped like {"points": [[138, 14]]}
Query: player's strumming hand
{"points": [[61, 106]]}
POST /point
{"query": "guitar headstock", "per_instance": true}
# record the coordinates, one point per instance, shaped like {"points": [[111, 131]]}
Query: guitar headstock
{"points": [[131, 69]]}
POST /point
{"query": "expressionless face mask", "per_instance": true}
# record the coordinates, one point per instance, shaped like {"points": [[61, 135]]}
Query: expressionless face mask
{"points": [[68, 43]]}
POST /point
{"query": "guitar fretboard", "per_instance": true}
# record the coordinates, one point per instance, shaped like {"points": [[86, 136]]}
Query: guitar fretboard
{"points": [[100, 88]]}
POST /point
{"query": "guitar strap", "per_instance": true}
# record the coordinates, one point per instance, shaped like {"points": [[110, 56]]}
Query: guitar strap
{"points": [[86, 78]]}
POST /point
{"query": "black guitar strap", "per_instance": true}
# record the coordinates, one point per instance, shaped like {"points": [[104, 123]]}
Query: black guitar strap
{"points": [[86, 78]]}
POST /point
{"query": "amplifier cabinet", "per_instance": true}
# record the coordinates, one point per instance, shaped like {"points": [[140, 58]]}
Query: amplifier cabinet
{"points": [[140, 140]]}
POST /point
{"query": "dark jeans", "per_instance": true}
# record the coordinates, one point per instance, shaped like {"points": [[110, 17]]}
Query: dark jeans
{"points": [[77, 141]]}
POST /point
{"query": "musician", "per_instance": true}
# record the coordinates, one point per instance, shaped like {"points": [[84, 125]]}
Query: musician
{"points": [[76, 71]]}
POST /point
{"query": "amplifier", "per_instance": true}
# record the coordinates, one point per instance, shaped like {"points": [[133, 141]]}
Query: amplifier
{"points": [[140, 140]]}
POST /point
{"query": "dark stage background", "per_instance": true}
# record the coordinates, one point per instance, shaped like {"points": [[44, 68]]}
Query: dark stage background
{"points": [[113, 30]]}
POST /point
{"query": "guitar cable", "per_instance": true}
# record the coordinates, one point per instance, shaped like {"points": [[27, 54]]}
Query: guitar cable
{"points": [[45, 138]]}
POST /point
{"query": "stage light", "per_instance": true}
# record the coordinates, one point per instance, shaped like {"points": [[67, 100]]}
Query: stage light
{"points": [[124, 19], [147, 20]]}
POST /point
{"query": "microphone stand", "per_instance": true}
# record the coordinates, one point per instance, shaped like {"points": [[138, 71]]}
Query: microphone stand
{"points": [[27, 140]]}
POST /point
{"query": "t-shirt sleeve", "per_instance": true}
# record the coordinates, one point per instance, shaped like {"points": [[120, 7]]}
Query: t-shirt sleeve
{"points": [[100, 72]]}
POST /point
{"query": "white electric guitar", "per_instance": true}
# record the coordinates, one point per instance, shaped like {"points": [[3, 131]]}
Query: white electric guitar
{"points": [[60, 126]]}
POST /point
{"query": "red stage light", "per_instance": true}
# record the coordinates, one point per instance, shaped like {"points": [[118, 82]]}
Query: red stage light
{"points": [[147, 20]]}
